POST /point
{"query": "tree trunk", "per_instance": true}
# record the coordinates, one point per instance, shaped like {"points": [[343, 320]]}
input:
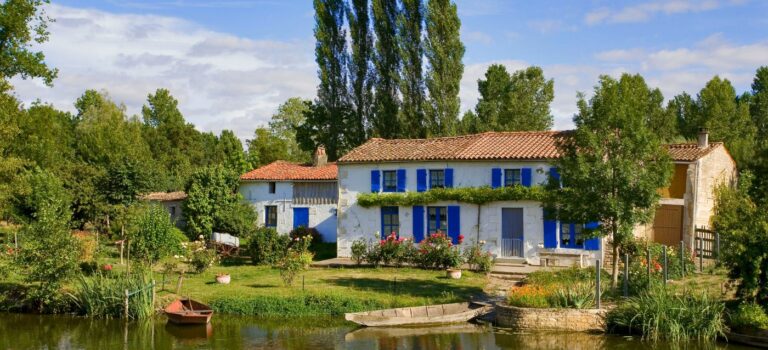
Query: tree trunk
{"points": [[615, 267]]}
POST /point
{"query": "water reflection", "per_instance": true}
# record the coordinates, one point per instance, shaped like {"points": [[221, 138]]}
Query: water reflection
{"points": [[231, 332]]}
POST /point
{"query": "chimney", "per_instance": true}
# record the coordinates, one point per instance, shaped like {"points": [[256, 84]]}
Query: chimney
{"points": [[320, 158], [703, 138]]}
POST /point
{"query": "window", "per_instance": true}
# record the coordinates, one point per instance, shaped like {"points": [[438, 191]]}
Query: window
{"points": [[437, 178], [270, 215], [512, 177], [437, 219], [571, 235], [173, 211], [272, 187], [390, 181], [390, 221]]}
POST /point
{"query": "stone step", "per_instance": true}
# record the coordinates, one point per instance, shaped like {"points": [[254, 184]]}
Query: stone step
{"points": [[516, 261]]}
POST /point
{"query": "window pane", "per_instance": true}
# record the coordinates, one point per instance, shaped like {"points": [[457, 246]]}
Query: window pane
{"points": [[390, 181], [578, 231], [437, 178], [565, 234], [512, 177]]}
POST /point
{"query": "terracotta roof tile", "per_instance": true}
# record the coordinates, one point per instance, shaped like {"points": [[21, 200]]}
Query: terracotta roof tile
{"points": [[489, 145], [688, 152], [287, 171], [524, 145], [165, 196]]}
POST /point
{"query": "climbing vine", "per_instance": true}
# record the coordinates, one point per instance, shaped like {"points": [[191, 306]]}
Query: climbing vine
{"points": [[472, 195]]}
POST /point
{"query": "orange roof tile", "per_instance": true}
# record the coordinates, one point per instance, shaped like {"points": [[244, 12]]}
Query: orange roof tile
{"points": [[287, 171], [519, 145]]}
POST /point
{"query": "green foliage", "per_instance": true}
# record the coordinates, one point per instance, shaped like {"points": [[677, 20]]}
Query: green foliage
{"points": [[267, 247], [743, 228], [638, 264], [301, 232], [444, 52], [24, 24], [199, 256], [239, 219], [410, 22], [386, 63], [529, 295], [391, 251], [748, 316], [153, 236], [613, 164], [267, 146], [359, 251], [230, 152], [659, 314], [361, 77], [296, 260], [309, 304], [438, 252], [211, 193], [577, 296], [49, 253], [514, 102], [567, 288], [478, 258], [37, 190], [103, 294], [473, 195]]}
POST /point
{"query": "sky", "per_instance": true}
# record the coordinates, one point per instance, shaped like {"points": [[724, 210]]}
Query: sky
{"points": [[230, 63]]}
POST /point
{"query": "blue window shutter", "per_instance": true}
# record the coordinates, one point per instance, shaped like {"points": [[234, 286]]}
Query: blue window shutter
{"points": [[496, 177], [375, 180], [592, 243], [449, 178], [554, 174], [454, 223], [421, 180], [525, 174], [550, 232], [401, 180], [418, 223]]}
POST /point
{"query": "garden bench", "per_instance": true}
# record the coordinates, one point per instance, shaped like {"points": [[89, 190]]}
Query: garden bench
{"points": [[547, 256]]}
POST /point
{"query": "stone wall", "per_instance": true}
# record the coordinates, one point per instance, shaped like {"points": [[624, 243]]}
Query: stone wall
{"points": [[574, 320]]}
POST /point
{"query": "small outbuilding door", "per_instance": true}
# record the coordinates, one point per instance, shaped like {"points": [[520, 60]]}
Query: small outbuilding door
{"points": [[300, 217], [512, 232], [668, 225]]}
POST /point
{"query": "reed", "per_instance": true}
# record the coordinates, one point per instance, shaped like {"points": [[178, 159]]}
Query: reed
{"points": [[659, 314], [103, 295]]}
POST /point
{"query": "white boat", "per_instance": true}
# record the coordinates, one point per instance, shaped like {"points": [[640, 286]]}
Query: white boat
{"points": [[420, 315]]}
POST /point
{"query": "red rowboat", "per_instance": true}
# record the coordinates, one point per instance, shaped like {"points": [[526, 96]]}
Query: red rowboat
{"points": [[188, 311]]}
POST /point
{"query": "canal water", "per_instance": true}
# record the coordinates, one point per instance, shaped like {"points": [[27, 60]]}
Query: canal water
{"points": [[21, 331]]}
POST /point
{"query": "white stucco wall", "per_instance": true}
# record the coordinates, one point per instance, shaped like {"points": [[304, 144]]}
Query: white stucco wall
{"points": [[321, 216], [356, 222]]}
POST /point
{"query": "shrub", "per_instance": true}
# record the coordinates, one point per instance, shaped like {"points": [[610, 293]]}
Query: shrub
{"points": [[88, 246], [198, 256], [154, 236], [392, 251], [477, 258], [659, 314], [359, 251], [529, 296], [302, 231], [437, 251], [577, 296], [296, 260], [638, 264], [267, 247], [749, 316]]}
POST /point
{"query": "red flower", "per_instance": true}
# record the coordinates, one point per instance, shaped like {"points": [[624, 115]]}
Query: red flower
{"points": [[461, 238], [107, 267]]}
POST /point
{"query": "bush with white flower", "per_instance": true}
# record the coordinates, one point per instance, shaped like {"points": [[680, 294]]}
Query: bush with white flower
{"points": [[198, 255]]}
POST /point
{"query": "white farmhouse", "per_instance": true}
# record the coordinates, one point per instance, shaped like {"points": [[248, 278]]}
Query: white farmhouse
{"points": [[287, 195], [515, 230]]}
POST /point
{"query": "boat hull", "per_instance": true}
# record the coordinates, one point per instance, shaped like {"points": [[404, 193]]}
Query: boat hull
{"points": [[187, 311], [419, 315]]}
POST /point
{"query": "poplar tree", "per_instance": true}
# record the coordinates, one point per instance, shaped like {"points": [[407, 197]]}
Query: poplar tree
{"points": [[516, 102], [387, 68], [360, 71], [327, 123], [727, 119], [410, 24], [444, 51]]}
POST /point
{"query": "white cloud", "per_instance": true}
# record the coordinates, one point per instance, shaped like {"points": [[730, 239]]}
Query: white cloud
{"points": [[645, 11], [221, 81], [477, 37]]}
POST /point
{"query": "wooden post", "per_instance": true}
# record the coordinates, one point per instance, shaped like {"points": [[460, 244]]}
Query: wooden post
{"points": [[648, 265], [122, 243], [682, 259], [717, 247], [597, 284], [153, 296], [125, 313], [15, 242], [701, 255], [666, 272], [178, 284]]}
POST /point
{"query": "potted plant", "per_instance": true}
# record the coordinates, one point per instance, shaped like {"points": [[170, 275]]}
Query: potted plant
{"points": [[453, 260], [223, 278]]}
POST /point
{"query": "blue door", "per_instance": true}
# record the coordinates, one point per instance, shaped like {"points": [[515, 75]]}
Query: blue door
{"points": [[300, 217]]}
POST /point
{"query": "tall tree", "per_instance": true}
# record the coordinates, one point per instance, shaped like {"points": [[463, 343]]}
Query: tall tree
{"points": [[231, 153], [289, 116], [410, 23], [514, 102], [726, 118], [759, 105], [332, 94], [23, 23], [361, 76], [387, 70], [683, 108], [613, 164], [444, 51], [266, 147]]}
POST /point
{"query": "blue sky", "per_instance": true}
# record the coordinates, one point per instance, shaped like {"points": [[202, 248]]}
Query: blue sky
{"points": [[231, 62]]}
